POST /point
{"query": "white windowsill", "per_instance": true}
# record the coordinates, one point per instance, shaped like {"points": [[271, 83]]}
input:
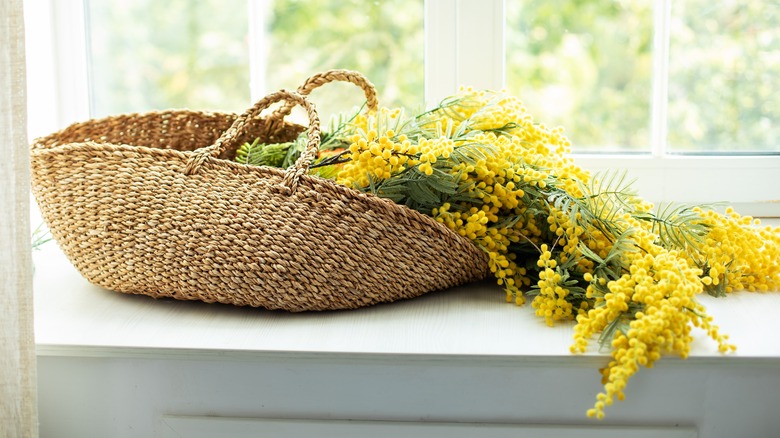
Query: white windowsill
{"points": [[74, 318], [751, 180]]}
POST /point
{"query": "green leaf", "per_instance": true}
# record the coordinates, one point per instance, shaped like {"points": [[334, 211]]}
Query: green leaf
{"points": [[677, 227], [587, 252], [620, 324]]}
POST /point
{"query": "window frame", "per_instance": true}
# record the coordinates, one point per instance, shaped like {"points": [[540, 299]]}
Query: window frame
{"points": [[454, 28]]}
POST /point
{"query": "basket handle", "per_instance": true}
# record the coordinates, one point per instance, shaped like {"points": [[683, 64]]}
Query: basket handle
{"points": [[294, 172], [328, 76]]}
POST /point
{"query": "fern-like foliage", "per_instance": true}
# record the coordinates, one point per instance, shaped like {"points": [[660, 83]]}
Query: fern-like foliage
{"points": [[416, 190], [40, 236], [422, 192], [678, 227], [274, 154]]}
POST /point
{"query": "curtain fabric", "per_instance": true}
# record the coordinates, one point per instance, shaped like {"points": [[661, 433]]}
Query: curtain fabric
{"points": [[18, 394]]}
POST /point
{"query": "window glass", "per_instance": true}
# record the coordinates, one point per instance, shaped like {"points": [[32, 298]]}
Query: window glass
{"points": [[146, 54], [586, 66], [381, 39], [724, 73]]}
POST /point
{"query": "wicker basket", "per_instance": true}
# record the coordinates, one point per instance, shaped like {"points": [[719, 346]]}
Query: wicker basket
{"points": [[151, 204]]}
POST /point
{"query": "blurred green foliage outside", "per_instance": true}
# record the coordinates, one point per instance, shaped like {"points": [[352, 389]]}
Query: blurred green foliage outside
{"points": [[586, 65]]}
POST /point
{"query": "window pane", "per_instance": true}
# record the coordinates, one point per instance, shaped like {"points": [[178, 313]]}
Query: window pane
{"points": [[724, 73], [147, 54], [586, 66], [381, 39]]}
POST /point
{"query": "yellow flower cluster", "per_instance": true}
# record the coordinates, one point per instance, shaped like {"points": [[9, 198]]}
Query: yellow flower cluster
{"points": [[523, 156], [433, 149], [551, 303], [738, 254], [480, 110], [551, 231], [376, 151], [652, 307], [491, 110]]}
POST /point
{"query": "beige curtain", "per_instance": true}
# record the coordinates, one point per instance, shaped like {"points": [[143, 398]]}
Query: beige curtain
{"points": [[18, 400]]}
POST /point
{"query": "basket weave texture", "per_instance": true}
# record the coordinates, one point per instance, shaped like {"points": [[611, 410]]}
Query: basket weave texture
{"points": [[152, 204]]}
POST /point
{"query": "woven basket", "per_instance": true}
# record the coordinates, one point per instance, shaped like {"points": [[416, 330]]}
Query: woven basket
{"points": [[151, 204]]}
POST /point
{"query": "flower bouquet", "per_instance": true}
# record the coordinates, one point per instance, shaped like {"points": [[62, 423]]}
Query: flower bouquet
{"points": [[580, 247]]}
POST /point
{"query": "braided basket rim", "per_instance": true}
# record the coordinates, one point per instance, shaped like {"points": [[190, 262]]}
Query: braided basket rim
{"points": [[260, 171]]}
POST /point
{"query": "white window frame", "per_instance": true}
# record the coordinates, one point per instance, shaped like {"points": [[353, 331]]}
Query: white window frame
{"points": [[452, 28]]}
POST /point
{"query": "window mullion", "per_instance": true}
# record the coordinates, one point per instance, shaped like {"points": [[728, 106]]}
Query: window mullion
{"points": [[258, 11], [464, 45], [659, 124], [441, 51], [70, 60], [480, 30]]}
